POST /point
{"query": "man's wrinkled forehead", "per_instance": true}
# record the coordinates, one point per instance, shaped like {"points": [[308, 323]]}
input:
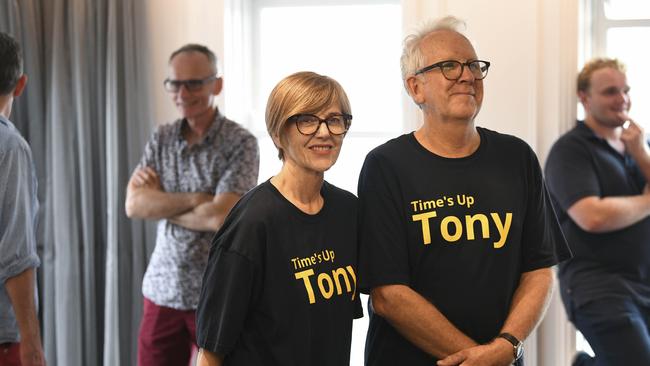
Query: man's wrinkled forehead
{"points": [[444, 43]]}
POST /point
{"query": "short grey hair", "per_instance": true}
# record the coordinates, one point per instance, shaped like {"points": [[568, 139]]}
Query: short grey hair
{"points": [[194, 47], [412, 58]]}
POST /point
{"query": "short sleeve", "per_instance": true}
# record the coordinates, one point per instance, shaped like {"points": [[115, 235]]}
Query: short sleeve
{"points": [[232, 282], [383, 250], [358, 309], [18, 208], [570, 173], [543, 242], [242, 170], [150, 157], [227, 291]]}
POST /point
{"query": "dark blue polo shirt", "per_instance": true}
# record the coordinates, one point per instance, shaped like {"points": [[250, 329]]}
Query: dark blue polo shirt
{"points": [[613, 264]]}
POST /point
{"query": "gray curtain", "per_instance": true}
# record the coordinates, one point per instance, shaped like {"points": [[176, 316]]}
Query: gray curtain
{"points": [[86, 114]]}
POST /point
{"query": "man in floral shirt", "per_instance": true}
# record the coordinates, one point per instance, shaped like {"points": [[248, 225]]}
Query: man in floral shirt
{"points": [[192, 173]]}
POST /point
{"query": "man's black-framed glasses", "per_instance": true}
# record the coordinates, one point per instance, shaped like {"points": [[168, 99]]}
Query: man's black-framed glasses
{"points": [[452, 69], [308, 124], [174, 86]]}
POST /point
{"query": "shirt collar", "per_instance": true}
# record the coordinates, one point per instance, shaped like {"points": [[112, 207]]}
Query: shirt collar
{"points": [[587, 132], [4, 121], [212, 132]]}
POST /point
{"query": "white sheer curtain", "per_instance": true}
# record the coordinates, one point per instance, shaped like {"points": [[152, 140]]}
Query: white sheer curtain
{"points": [[86, 114]]}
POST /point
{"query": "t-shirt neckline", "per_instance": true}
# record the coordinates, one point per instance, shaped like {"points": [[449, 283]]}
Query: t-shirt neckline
{"points": [[475, 155], [295, 210]]}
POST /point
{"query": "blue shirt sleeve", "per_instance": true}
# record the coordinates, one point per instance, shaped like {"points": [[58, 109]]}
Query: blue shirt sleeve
{"points": [[18, 209]]}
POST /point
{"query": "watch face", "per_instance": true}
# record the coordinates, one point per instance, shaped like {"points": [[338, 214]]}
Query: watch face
{"points": [[519, 351], [518, 346]]}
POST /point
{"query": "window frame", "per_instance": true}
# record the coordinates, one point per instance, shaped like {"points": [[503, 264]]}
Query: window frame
{"points": [[601, 24], [242, 90]]}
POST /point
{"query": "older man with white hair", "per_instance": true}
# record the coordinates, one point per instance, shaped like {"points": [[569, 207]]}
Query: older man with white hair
{"points": [[457, 231]]}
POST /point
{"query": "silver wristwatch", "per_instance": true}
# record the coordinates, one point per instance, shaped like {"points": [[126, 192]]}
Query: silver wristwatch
{"points": [[518, 346]]}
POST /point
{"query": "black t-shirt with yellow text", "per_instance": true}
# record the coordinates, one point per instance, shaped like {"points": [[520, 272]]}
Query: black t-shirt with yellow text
{"points": [[460, 232], [280, 287]]}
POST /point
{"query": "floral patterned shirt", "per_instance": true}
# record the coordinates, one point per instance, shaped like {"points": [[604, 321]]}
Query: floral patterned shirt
{"points": [[226, 160]]}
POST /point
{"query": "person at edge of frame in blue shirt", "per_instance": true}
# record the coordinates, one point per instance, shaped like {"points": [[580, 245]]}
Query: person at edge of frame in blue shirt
{"points": [[20, 340]]}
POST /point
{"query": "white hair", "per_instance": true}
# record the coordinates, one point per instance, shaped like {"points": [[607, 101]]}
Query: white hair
{"points": [[412, 58]]}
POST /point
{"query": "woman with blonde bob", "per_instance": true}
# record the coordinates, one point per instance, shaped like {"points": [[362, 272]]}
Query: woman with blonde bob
{"points": [[280, 286]]}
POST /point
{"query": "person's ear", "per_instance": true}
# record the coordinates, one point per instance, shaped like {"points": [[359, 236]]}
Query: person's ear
{"points": [[413, 85], [218, 86], [276, 141], [582, 97], [20, 85]]}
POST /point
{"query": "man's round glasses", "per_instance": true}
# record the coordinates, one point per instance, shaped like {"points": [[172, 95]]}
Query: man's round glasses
{"points": [[174, 86], [308, 124], [452, 69]]}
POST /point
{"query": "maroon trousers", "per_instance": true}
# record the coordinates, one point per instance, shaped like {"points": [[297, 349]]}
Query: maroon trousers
{"points": [[10, 354], [167, 336]]}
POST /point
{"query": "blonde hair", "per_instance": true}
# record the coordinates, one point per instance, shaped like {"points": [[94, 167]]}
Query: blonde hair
{"points": [[412, 58], [302, 92], [584, 77]]}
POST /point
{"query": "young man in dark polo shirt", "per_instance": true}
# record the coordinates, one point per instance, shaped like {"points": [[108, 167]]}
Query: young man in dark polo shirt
{"points": [[597, 175]]}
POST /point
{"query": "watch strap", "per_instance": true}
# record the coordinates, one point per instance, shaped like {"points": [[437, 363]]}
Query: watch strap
{"points": [[510, 338], [516, 344]]}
